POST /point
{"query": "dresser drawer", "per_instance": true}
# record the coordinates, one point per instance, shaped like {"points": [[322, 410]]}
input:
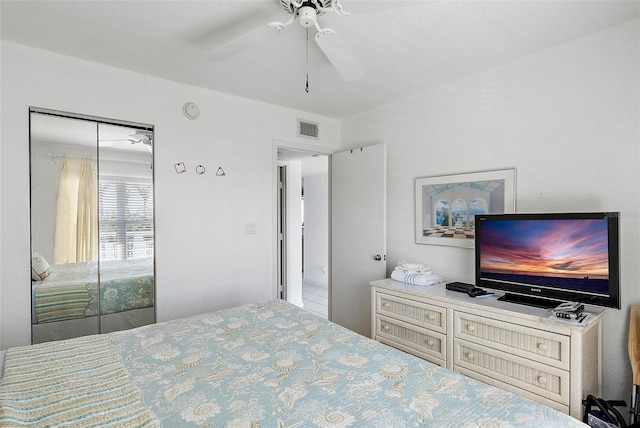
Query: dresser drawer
{"points": [[409, 335], [413, 351], [424, 315], [539, 379], [537, 345]]}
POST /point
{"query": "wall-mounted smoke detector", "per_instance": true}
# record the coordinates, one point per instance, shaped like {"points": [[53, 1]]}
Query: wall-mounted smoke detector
{"points": [[191, 111], [308, 129]]}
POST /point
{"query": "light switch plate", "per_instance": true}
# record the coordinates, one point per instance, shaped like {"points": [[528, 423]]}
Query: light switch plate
{"points": [[250, 228]]}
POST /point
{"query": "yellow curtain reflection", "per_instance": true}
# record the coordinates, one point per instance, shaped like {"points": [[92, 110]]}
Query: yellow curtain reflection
{"points": [[76, 232]]}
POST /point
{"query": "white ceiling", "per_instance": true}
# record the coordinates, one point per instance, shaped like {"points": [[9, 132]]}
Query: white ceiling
{"points": [[404, 46]]}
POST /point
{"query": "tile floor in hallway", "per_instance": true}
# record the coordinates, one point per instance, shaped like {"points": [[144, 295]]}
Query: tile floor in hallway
{"points": [[315, 299]]}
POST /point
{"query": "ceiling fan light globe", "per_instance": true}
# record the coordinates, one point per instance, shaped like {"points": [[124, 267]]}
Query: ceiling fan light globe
{"points": [[307, 16]]}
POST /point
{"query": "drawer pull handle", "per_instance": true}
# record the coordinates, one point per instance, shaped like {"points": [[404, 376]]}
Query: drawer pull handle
{"points": [[470, 327], [542, 346], [430, 317], [469, 356], [386, 328], [542, 380], [386, 305], [430, 342]]}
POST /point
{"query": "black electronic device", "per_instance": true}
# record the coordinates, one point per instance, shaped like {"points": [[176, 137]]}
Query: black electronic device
{"points": [[566, 315], [547, 258], [568, 311], [476, 292], [461, 287]]}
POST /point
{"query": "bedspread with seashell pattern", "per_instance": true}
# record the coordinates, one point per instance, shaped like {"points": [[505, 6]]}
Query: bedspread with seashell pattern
{"points": [[275, 365]]}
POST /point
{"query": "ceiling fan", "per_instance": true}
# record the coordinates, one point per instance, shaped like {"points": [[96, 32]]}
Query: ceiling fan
{"points": [[306, 12], [140, 136]]}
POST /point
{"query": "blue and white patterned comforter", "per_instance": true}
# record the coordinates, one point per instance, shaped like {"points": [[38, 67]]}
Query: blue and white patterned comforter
{"points": [[71, 290], [275, 365]]}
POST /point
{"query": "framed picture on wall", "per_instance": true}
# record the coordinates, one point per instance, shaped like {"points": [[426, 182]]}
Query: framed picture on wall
{"points": [[446, 204]]}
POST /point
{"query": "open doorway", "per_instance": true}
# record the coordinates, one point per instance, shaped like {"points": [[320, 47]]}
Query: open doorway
{"points": [[303, 229]]}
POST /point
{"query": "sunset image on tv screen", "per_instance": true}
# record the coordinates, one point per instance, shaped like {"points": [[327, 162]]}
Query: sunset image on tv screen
{"points": [[558, 252]]}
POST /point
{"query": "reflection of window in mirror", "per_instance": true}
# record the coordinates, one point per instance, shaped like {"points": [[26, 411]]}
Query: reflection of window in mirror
{"points": [[91, 225], [126, 194], [126, 220]]}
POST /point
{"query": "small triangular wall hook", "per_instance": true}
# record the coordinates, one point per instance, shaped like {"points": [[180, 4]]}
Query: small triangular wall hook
{"points": [[220, 171]]}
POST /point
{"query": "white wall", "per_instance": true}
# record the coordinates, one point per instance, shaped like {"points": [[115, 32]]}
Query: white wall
{"points": [[316, 226], [205, 260], [568, 119]]}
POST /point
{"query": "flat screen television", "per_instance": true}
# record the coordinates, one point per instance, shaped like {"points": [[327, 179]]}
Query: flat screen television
{"points": [[546, 259]]}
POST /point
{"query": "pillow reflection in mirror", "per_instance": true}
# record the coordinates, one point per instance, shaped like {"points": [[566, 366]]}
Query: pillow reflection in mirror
{"points": [[39, 266]]}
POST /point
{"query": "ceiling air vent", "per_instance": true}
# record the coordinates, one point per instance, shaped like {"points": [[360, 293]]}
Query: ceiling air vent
{"points": [[307, 129]]}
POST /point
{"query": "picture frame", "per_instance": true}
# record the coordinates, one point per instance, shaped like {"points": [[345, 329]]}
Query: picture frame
{"points": [[445, 205]]}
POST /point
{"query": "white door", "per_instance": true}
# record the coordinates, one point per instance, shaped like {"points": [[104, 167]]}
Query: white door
{"points": [[358, 233]]}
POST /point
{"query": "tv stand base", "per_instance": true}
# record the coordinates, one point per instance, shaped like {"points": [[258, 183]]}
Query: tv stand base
{"points": [[529, 301]]}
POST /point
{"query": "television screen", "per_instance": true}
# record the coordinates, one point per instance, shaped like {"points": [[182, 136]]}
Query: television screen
{"points": [[552, 257]]}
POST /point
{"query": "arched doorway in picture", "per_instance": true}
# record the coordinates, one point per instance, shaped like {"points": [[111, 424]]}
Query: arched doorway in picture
{"points": [[442, 213], [476, 207], [459, 213]]}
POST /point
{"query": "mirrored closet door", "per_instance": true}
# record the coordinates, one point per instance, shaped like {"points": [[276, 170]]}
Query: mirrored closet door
{"points": [[92, 225]]}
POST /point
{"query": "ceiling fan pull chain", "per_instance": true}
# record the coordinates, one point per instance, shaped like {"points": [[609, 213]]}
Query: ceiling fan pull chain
{"points": [[306, 89]]}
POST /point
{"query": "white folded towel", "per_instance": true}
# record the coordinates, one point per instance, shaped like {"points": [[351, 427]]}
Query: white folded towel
{"points": [[412, 268], [413, 271], [406, 265], [416, 279]]}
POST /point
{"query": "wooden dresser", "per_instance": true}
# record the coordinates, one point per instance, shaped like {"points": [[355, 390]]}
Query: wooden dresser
{"points": [[515, 347]]}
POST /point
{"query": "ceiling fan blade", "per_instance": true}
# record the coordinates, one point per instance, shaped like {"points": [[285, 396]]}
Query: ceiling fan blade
{"points": [[374, 6], [142, 137], [232, 37], [135, 138], [340, 56], [236, 45]]}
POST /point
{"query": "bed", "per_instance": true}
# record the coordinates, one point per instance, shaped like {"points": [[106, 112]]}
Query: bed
{"points": [[269, 364], [70, 291]]}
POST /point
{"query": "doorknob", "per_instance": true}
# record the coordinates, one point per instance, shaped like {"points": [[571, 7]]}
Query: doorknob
{"points": [[378, 257]]}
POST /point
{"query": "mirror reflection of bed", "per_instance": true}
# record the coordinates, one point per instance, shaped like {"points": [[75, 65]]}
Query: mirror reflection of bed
{"points": [[92, 240]]}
